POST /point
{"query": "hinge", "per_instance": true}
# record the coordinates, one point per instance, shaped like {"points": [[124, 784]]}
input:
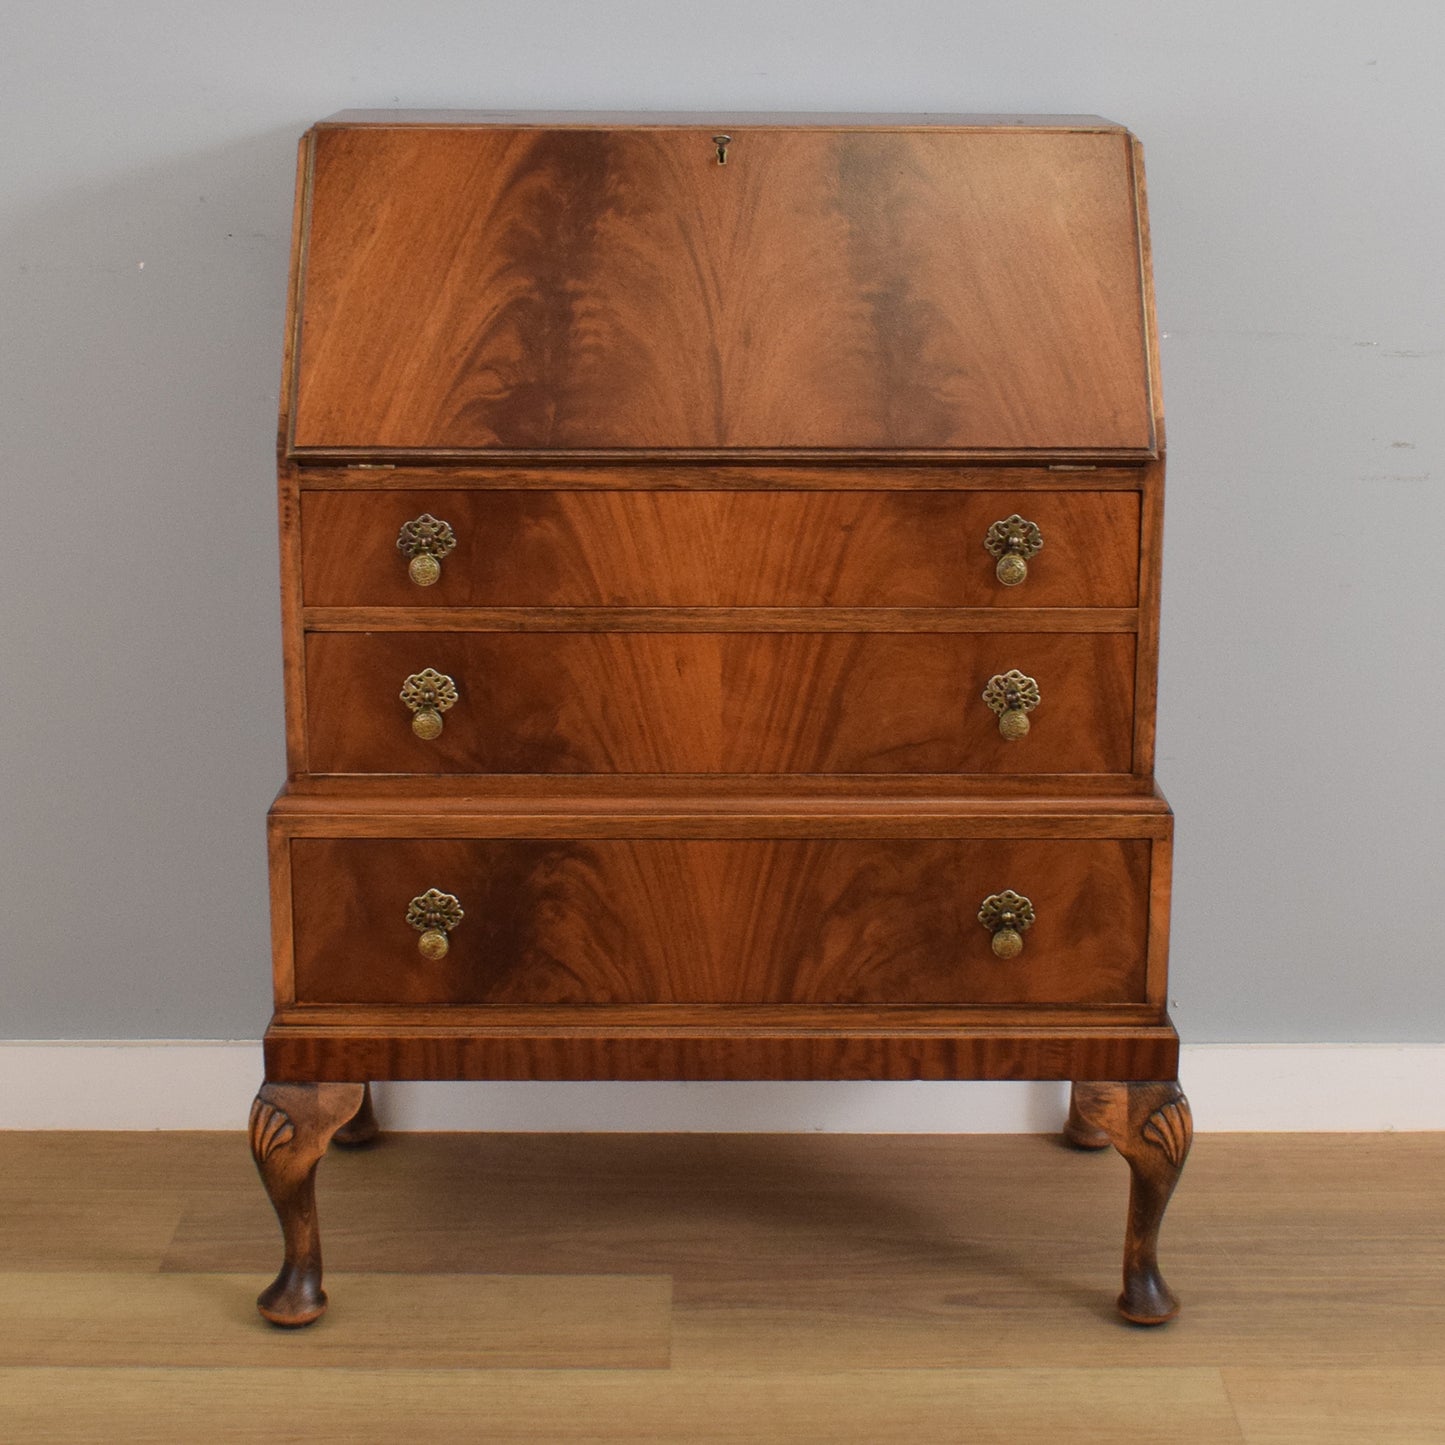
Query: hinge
{"points": [[1072, 467]]}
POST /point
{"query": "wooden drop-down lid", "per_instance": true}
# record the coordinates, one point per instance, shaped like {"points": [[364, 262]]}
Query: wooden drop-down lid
{"points": [[470, 291]]}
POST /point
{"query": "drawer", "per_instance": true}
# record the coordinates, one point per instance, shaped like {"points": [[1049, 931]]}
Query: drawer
{"points": [[610, 702], [719, 549], [668, 920]]}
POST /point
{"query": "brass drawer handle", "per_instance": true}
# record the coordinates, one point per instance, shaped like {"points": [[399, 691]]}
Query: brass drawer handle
{"points": [[425, 541], [434, 914], [1013, 541], [1012, 696], [428, 694], [1007, 915]]}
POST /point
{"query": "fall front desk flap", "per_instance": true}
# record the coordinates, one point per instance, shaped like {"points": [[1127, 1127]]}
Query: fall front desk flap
{"points": [[476, 289]]}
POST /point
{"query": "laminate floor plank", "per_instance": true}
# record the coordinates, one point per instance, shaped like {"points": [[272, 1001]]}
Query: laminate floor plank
{"points": [[447, 1321], [1339, 1406], [880, 1407], [111, 1161], [89, 1231]]}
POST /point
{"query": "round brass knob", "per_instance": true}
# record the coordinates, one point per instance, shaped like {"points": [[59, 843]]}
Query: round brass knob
{"points": [[1012, 541], [428, 694], [424, 569], [434, 914], [1008, 916], [1012, 697], [425, 541]]}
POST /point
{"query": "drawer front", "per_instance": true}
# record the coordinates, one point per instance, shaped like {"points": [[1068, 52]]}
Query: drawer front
{"points": [[575, 702], [635, 921], [720, 549]]}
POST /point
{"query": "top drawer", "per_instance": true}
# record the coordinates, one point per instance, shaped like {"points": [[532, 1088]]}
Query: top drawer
{"points": [[719, 549]]}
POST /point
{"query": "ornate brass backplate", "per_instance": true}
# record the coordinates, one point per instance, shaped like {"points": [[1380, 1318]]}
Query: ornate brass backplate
{"points": [[1012, 696], [425, 541], [1007, 915], [434, 914], [1012, 541], [428, 694]]}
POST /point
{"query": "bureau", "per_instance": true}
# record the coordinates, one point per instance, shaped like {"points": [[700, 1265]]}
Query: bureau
{"points": [[720, 563]]}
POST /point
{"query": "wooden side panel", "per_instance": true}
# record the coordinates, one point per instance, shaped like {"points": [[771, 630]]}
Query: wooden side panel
{"points": [[495, 289], [720, 703], [807, 921], [1146, 662], [720, 549]]}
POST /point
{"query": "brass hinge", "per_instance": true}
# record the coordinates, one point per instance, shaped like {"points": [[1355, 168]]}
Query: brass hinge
{"points": [[1072, 467]]}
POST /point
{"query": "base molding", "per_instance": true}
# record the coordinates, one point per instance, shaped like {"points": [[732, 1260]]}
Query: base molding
{"points": [[713, 1048], [188, 1084]]}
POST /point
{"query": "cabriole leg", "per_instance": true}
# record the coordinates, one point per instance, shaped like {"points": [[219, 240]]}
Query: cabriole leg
{"points": [[361, 1129], [1078, 1132], [291, 1125], [1150, 1125]]}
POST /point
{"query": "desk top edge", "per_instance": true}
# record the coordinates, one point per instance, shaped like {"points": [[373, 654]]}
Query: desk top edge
{"points": [[644, 119]]}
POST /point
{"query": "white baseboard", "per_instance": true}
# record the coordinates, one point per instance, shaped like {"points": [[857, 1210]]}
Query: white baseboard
{"points": [[178, 1084]]}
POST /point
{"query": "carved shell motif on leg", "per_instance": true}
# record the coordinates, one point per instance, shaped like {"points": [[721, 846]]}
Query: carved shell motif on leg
{"points": [[1170, 1127], [270, 1128]]}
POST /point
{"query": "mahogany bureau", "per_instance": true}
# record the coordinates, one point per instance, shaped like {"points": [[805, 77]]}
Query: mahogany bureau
{"points": [[720, 593]]}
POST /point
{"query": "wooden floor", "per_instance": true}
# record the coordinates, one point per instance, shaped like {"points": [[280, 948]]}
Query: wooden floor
{"points": [[723, 1288]]}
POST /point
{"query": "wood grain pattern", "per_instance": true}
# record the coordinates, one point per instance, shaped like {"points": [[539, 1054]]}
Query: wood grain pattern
{"points": [[614, 289], [666, 921], [733, 703], [1018, 806], [708, 1048], [720, 619], [392, 815], [650, 473], [729, 549], [773, 1019]]}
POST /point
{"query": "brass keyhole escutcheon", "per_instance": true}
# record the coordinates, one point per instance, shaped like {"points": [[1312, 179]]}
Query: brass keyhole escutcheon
{"points": [[1012, 541], [434, 914], [425, 541], [1012, 697], [722, 142], [428, 694], [1008, 916]]}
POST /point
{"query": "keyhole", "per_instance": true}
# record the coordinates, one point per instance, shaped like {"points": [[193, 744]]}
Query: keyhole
{"points": [[722, 142]]}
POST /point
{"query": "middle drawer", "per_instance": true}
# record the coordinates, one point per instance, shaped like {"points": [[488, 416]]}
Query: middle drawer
{"points": [[718, 549], [734, 702]]}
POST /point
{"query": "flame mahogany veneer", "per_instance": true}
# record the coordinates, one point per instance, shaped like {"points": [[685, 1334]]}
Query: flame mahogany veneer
{"points": [[719, 427]]}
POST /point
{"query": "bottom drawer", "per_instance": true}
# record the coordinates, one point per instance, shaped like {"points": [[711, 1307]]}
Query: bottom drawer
{"points": [[741, 921]]}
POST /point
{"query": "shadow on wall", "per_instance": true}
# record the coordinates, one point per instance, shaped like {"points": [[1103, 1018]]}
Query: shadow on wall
{"points": [[141, 339]]}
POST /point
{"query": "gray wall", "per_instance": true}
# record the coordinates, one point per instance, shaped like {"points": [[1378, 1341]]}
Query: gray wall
{"points": [[1295, 163]]}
